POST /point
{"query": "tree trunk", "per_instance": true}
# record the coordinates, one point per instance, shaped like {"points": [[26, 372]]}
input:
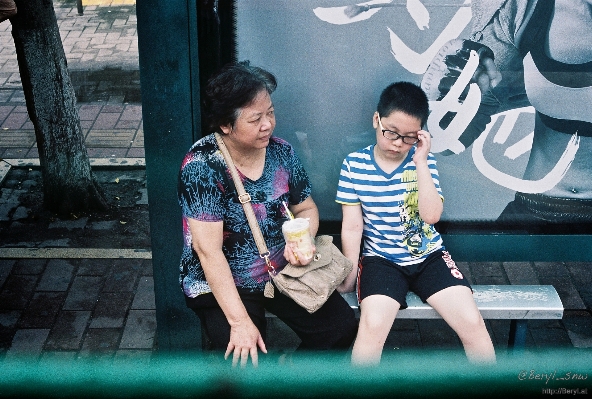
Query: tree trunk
{"points": [[69, 186]]}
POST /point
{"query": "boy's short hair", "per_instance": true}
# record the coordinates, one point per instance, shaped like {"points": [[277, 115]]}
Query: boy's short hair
{"points": [[405, 97]]}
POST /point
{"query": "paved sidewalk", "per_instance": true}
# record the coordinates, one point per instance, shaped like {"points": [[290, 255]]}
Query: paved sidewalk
{"points": [[101, 47], [57, 300]]}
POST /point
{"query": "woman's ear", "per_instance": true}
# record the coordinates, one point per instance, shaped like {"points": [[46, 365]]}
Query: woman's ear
{"points": [[226, 129]]}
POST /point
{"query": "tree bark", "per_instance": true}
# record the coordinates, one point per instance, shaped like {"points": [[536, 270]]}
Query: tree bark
{"points": [[69, 186]]}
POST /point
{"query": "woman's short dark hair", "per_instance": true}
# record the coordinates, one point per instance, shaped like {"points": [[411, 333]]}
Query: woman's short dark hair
{"points": [[233, 87], [405, 97]]}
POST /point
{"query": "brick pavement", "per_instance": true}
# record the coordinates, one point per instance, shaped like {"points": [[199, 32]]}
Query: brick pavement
{"points": [[83, 305], [101, 47], [78, 306], [70, 300]]}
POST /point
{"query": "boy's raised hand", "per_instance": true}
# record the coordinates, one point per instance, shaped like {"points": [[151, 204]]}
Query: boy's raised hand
{"points": [[423, 146]]}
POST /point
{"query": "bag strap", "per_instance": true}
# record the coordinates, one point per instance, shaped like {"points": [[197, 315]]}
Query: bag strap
{"points": [[245, 200]]}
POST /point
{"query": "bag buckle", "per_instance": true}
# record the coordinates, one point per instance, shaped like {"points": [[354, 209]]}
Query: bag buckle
{"points": [[244, 198], [270, 267]]}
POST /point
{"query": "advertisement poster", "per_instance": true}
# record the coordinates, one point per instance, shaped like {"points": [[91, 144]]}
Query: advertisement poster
{"points": [[521, 149]]}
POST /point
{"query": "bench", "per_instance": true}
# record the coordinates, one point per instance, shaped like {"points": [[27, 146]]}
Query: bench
{"points": [[517, 303]]}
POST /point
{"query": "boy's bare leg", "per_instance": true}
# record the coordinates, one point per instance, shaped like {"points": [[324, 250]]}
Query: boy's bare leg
{"points": [[377, 315], [458, 308]]}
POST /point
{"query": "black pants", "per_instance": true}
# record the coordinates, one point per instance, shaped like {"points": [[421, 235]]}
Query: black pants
{"points": [[333, 326]]}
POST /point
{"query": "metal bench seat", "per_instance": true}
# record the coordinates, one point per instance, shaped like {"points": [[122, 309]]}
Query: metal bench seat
{"points": [[517, 303]]}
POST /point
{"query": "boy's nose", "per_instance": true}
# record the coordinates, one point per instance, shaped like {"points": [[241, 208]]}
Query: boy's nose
{"points": [[398, 142]]}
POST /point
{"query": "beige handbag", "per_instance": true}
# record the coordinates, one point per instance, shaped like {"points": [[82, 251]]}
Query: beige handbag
{"points": [[309, 286]]}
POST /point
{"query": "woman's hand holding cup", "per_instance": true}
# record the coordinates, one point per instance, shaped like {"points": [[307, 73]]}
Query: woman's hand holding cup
{"points": [[300, 247], [297, 257]]}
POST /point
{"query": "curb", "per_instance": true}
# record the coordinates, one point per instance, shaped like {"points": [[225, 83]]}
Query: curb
{"points": [[74, 253], [7, 163]]}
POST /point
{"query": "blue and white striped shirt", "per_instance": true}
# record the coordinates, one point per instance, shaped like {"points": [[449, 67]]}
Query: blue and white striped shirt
{"points": [[393, 228]]}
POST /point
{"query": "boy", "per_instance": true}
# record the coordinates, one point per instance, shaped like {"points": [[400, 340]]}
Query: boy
{"points": [[391, 198]]}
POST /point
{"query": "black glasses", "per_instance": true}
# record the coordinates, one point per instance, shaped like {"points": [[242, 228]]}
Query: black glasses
{"points": [[389, 134]]}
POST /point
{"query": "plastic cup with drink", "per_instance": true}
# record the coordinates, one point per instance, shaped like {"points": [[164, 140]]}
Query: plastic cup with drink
{"points": [[297, 235]]}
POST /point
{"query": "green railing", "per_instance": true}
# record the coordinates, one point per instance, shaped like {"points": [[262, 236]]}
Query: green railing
{"points": [[401, 374]]}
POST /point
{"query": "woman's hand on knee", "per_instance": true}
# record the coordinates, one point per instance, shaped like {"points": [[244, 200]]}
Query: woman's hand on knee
{"points": [[244, 341]]}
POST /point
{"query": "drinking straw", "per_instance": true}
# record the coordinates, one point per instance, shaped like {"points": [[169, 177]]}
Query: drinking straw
{"points": [[290, 215]]}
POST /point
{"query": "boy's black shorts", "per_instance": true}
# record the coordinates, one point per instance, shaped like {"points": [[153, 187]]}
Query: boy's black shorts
{"points": [[379, 276]]}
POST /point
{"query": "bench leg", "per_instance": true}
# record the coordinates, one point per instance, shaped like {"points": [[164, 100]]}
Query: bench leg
{"points": [[79, 5], [517, 336]]}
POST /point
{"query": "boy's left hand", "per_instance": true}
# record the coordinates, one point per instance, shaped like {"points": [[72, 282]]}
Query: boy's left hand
{"points": [[423, 146]]}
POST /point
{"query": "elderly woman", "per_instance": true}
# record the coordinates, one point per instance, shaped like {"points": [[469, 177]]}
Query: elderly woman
{"points": [[222, 274]]}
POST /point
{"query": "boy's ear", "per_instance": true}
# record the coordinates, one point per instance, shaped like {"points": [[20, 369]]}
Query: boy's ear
{"points": [[375, 120]]}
